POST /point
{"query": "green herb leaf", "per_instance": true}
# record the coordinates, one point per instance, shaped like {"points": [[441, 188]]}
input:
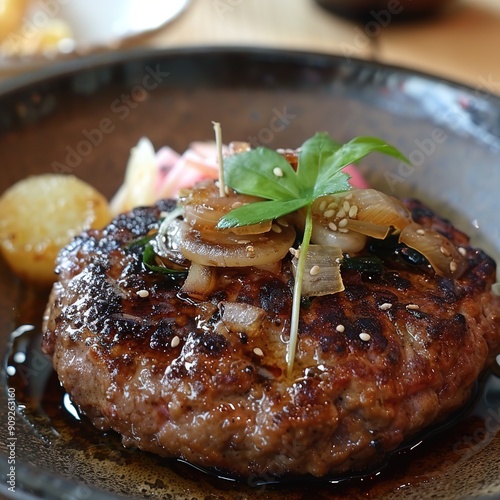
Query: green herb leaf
{"points": [[254, 173], [266, 174], [316, 155], [140, 242], [351, 152], [253, 213]]}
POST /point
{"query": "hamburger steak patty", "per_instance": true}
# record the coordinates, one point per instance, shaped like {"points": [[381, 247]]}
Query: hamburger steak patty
{"points": [[174, 378]]}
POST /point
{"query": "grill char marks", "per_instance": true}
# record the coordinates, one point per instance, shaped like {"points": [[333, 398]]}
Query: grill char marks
{"points": [[399, 349]]}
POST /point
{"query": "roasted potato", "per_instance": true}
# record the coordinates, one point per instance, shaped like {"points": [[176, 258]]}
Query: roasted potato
{"points": [[41, 214]]}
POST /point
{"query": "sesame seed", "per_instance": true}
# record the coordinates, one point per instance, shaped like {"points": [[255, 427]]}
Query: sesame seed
{"points": [[175, 341], [343, 223], [322, 206], [314, 271], [340, 328], [332, 226], [341, 213], [346, 206], [143, 293], [278, 172], [420, 231], [385, 306], [258, 351], [364, 336], [283, 222], [277, 229], [243, 242], [353, 211], [462, 251], [444, 251], [333, 205], [226, 190], [237, 204], [343, 230], [453, 266], [329, 213], [349, 196], [412, 307]]}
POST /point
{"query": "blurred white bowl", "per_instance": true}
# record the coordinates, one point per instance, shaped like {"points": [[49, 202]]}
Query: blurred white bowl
{"points": [[55, 29], [108, 22]]}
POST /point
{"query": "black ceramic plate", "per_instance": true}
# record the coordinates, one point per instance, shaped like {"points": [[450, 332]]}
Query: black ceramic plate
{"points": [[86, 116]]}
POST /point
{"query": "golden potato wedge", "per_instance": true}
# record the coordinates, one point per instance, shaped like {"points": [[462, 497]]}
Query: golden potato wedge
{"points": [[41, 214]]}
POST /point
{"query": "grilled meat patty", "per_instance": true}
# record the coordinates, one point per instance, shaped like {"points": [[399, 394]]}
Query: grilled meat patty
{"points": [[173, 378]]}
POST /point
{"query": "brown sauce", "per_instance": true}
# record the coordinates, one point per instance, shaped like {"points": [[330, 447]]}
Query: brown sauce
{"points": [[48, 410]]}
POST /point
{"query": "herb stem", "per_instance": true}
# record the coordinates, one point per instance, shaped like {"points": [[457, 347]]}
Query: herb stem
{"points": [[220, 159], [297, 291]]}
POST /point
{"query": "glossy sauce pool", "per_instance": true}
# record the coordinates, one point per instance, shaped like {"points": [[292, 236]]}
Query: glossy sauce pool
{"points": [[45, 406]]}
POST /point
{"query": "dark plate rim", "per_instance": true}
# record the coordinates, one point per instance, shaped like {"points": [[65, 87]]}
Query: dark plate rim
{"points": [[68, 67]]}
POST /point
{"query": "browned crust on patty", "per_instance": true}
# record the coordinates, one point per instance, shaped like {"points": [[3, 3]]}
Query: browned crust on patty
{"points": [[214, 400]]}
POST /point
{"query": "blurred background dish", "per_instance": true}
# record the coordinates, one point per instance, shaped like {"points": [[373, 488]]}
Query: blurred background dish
{"points": [[35, 32], [406, 9]]}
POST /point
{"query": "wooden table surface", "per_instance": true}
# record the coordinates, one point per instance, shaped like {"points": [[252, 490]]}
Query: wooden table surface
{"points": [[462, 44]]}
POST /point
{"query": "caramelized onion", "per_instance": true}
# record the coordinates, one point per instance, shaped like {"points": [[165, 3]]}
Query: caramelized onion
{"points": [[377, 208], [368, 228], [204, 207], [200, 281], [167, 244], [322, 271], [241, 318], [225, 250], [441, 253], [345, 220], [350, 242]]}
